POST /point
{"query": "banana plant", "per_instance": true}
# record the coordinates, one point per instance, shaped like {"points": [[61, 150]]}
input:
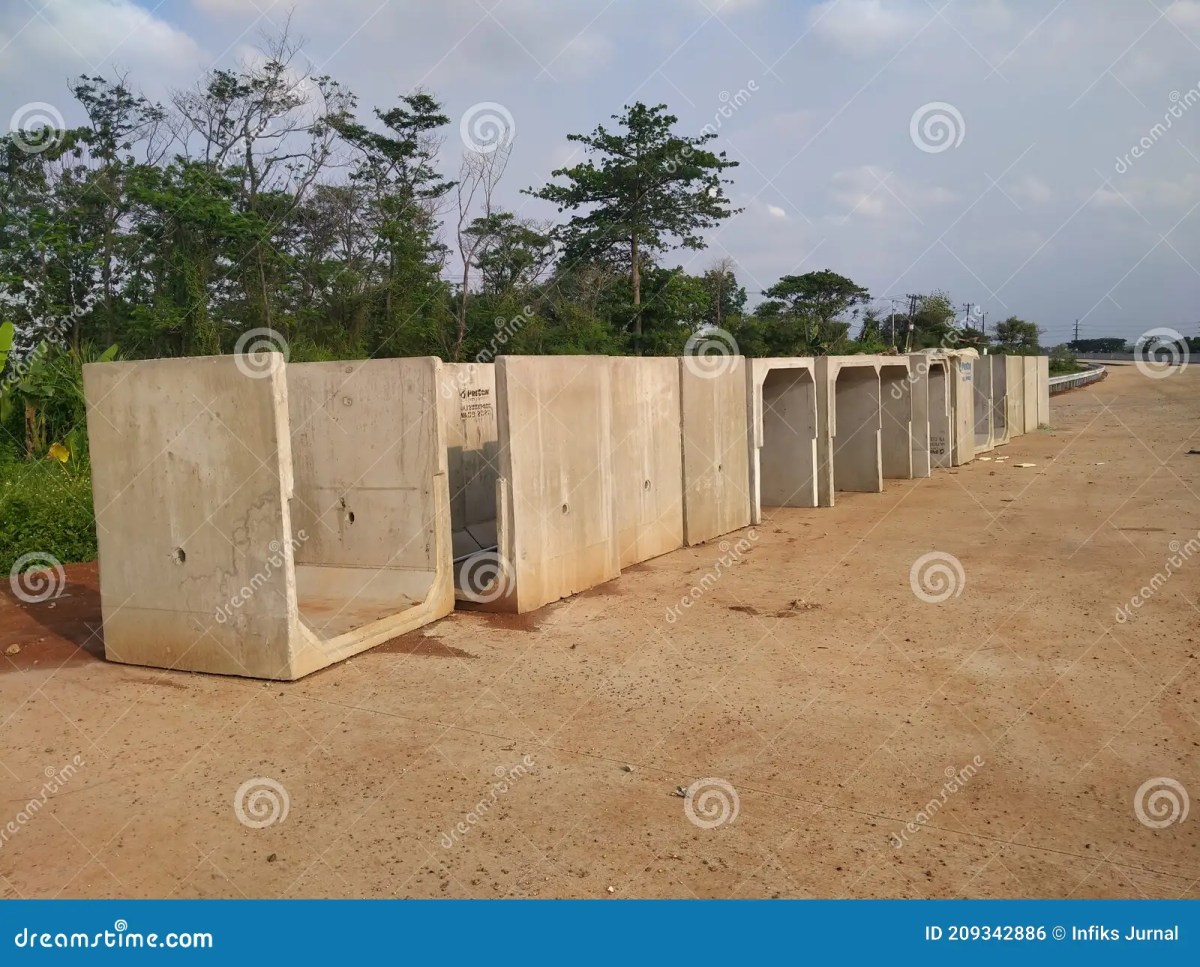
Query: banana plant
{"points": [[51, 394]]}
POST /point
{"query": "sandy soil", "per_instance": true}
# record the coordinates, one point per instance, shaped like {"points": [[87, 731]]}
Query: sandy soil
{"points": [[809, 677]]}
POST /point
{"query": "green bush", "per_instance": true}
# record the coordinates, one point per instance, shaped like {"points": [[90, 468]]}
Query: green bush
{"points": [[45, 508]]}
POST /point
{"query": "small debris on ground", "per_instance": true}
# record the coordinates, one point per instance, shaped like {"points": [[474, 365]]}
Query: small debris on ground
{"points": [[680, 791], [627, 768], [12, 650], [1024, 465]]}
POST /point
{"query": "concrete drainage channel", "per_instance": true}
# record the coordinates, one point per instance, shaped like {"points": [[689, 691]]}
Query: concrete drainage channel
{"points": [[311, 511]]}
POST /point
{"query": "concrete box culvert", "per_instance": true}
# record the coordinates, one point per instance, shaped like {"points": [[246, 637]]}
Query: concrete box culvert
{"points": [[584, 468], [781, 404], [848, 413], [298, 533], [647, 457], [963, 364], [1043, 390], [1014, 367], [897, 399], [1033, 391], [716, 455], [1000, 428], [983, 431], [939, 410]]}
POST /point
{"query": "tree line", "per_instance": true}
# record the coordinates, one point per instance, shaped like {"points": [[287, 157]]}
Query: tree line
{"points": [[265, 198]]}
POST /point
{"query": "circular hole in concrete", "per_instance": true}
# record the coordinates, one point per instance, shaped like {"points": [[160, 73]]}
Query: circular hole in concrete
{"points": [[565, 508], [179, 555], [350, 517], [720, 467], [646, 485]]}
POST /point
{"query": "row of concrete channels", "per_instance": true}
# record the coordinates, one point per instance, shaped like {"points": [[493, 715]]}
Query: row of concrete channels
{"points": [[263, 518]]}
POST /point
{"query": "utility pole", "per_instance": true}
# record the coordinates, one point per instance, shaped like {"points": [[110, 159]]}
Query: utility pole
{"points": [[912, 311], [893, 323], [967, 316], [1076, 330]]}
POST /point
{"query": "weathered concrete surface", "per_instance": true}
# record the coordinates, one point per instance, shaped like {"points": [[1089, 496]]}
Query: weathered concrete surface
{"points": [[1043, 395], [920, 430], [647, 457], [716, 455], [781, 403], [370, 504], [834, 699], [984, 436], [301, 527], [848, 414], [191, 474], [962, 400], [467, 399], [555, 429], [1030, 364], [1000, 429], [1015, 399], [940, 412], [896, 418]]}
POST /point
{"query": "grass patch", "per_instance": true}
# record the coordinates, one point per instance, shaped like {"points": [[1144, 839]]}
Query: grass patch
{"points": [[47, 509]]}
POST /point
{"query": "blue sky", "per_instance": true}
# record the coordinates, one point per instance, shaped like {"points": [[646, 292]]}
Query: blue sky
{"points": [[969, 145]]}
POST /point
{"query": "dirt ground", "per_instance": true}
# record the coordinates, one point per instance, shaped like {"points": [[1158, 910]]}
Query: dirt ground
{"points": [[809, 677]]}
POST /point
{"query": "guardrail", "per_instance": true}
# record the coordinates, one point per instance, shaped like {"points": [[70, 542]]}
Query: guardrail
{"points": [[1060, 384]]}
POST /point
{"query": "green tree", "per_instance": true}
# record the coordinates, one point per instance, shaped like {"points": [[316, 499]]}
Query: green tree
{"points": [[647, 190], [804, 314], [1018, 337]]}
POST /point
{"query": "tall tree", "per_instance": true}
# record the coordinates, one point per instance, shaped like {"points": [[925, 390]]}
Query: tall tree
{"points": [[807, 313], [1017, 336], [646, 190]]}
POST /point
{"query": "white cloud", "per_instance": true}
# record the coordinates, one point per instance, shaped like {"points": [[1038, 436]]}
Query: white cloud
{"points": [[863, 26], [1185, 13], [871, 191], [776, 212], [71, 37], [1032, 190]]}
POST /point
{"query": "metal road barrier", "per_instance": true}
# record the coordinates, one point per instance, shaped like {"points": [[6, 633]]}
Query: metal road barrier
{"points": [[1093, 374]]}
